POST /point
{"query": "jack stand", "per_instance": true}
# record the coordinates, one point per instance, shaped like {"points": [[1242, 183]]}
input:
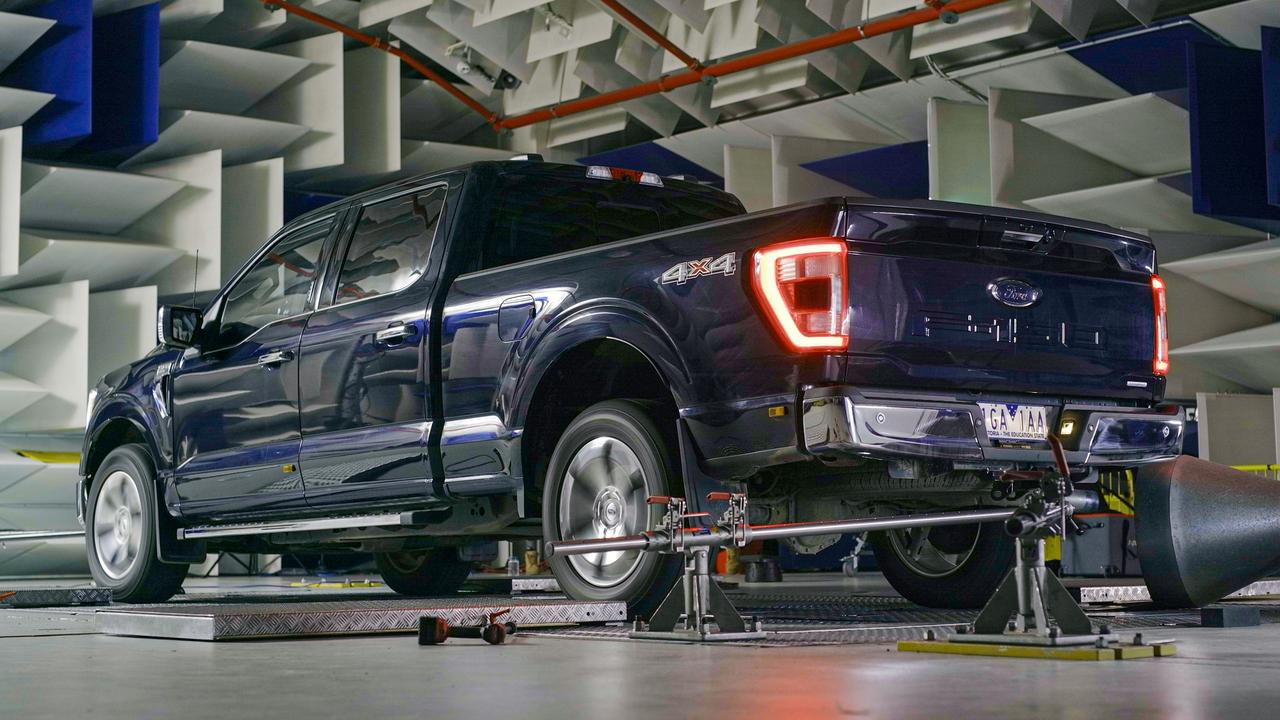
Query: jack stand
{"points": [[694, 606], [696, 603], [1033, 596]]}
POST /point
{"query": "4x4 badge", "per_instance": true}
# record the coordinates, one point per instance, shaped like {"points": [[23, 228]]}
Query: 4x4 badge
{"points": [[680, 273]]}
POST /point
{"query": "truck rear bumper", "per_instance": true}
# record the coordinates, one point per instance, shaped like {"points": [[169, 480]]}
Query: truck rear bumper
{"points": [[851, 421]]}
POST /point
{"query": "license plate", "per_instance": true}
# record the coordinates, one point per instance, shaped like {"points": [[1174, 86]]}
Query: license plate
{"points": [[1007, 421]]}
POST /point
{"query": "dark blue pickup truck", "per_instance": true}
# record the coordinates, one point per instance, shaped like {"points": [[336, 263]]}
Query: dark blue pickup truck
{"points": [[519, 350]]}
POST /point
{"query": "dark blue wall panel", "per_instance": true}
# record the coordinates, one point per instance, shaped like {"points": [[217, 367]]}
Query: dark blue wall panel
{"points": [[297, 202], [1271, 109], [1146, 61], [60, 62], [126, 84], [652, 157], [1228, 153], [894, 171]]}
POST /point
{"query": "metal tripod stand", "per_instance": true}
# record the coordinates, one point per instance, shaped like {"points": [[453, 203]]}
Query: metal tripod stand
{"points": [[696, 608], [1043, 611]]}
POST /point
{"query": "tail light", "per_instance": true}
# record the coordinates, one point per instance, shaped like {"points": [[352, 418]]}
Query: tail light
{"points": [[802, 286], [1160, 363]]}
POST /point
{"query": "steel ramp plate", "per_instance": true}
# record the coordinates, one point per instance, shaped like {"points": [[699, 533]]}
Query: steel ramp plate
{"points": [[352, 617], [1131, 590], [53, 597]]}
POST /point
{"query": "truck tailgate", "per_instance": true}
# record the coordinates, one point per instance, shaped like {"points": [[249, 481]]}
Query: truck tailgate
{"points": [[969, 301]]}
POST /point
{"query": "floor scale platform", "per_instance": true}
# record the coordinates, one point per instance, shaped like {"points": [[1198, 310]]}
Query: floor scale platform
{"points": [[247, 621]]}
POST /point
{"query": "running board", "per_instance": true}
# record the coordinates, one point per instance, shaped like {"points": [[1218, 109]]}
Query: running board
{"points": [[200, 532]]}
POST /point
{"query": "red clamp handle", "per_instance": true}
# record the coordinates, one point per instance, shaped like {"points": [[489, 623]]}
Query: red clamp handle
{"points": [[723, 496], [658, 499]]}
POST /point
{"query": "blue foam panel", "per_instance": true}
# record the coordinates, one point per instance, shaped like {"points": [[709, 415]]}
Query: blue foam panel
{"points": [[60, 62], [297, 202], [652, 157], [1228, 158], [126, 84], [1271, 109], [895, 171], [1147, 61]]}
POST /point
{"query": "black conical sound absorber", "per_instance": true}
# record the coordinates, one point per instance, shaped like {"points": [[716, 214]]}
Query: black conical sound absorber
{"points": [[1204, 530]]}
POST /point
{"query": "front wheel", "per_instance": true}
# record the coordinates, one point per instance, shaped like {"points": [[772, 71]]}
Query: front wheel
{"points": [[609, 460], [120, 530], [952, 566]]}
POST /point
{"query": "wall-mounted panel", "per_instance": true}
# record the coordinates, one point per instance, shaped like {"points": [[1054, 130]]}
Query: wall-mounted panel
{"points": [[190, 221], [312, 98], [126, 76], [122, 328], [89, 200], [252, 209], [1228, 142], [1271, 110], [1144, 134], [959, 152], [1247, 357], [58, 63], [1143, 61], [1027, 162], [894, 171], [10, 198], [53, 357], [106, 262], [18, 33]]}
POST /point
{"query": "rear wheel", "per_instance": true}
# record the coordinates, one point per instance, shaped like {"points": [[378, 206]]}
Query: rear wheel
{"points": [[956, 566], [609, 460], [438, 571], [120, 530]]}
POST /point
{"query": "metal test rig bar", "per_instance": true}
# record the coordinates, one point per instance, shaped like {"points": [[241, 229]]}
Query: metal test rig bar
{"points": [[696, 609], [697, 604]]}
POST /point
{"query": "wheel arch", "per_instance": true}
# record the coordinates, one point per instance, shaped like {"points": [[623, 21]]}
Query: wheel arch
{"points": [[580, 375]]}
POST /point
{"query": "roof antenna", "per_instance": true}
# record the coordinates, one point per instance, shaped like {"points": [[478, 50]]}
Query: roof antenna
{"points": [[195, 272]]}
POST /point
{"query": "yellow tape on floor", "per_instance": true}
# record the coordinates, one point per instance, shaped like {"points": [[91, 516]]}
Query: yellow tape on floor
{"points": [[60, 457], [1088, 652]]}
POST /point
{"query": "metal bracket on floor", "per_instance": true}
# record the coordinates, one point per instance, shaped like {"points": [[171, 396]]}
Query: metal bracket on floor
{"points": [[1046, 620], [697, 609]]}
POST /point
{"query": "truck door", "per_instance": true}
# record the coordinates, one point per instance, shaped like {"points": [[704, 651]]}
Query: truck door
{"points": [[365, 360], [235, 401]]}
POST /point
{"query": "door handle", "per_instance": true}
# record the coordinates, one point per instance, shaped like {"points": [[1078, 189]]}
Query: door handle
{"points": [[275, 357], [395, 333]]}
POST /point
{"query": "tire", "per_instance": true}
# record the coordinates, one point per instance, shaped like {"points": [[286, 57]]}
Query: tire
{"points": [[621, 457], [980, 556], [120, 530], [423, 573]]}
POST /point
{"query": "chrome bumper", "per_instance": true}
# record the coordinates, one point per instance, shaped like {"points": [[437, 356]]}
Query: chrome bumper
{"points": [[844, 421]]}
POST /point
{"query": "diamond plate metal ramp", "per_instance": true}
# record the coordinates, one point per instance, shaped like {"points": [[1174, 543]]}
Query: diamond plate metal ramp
{"points": [[352, 617], [53, 597]]}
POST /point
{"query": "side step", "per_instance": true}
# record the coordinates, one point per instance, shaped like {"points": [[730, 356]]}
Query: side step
{"points": [[200, 532]]}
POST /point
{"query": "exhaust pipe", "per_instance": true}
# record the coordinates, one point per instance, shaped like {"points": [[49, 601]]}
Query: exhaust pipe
{"points": [[1204, 530]]}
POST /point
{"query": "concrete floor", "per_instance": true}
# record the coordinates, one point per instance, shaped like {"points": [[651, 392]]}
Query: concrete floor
{"points": [[52, 665]]}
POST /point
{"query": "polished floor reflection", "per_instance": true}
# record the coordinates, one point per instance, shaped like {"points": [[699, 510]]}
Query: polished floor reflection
{"points": [[53, 666]]}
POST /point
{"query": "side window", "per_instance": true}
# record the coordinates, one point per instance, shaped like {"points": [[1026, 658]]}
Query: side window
{"points": [[278, 285], [391, 246]]}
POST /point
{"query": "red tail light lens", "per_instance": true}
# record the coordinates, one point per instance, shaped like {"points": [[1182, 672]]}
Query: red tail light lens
{"points": [[802, 286], [1160, 365]]}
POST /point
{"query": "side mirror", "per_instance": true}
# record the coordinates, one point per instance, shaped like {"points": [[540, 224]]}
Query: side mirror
{"points": [[176, 325]]}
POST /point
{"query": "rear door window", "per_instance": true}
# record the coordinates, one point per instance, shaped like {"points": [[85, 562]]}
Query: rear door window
{"points": [[391, 246]]}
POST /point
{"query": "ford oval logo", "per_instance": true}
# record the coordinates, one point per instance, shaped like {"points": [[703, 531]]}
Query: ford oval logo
{"points": [[1014, 293]]}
